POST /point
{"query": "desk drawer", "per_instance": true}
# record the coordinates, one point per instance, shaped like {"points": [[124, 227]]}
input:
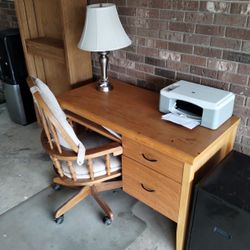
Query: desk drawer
{"points": [[153, 159], [152, 188]]}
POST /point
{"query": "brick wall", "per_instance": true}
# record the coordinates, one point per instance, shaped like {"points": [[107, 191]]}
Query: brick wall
{"points": [[7, 14], [207, 42]]}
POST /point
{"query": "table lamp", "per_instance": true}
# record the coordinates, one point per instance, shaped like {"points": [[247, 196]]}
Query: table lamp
{"points": [[102, 33]]}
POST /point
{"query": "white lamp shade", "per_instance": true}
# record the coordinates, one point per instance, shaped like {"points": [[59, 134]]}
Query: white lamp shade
{"points": [[103, 30]]}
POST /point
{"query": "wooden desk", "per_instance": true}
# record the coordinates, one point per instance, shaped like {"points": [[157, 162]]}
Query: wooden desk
{"points": [[160, 159]]}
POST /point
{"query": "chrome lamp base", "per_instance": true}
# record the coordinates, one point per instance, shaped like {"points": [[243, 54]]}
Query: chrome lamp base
{"points": [[103, 84]]}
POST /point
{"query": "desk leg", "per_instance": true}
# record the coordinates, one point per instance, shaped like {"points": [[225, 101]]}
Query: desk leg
{"points": [[186, 190], [223, 146]]}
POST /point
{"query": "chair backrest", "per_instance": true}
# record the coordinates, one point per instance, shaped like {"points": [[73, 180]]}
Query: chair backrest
{"points": [[56, 127]]}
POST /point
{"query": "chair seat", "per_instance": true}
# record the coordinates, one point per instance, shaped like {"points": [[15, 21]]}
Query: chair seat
{"points": [[93, 140]]}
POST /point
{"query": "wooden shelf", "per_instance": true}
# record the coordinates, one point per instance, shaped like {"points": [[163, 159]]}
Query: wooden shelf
{"points": [[46, 47], [50, 31]]}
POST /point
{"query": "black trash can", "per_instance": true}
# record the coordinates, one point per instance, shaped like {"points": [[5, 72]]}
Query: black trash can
{"points": [[13, 74], [220, 217]]}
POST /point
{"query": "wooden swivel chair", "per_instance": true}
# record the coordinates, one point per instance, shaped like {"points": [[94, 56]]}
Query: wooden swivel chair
{"points": [[101, 161]]}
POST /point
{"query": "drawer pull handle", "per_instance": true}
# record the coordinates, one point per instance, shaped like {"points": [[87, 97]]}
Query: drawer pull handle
{"points": [[147, 189], [148, 159]]}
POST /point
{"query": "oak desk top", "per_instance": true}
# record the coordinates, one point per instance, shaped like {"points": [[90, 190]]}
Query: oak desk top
{"points": [[133, 112]]}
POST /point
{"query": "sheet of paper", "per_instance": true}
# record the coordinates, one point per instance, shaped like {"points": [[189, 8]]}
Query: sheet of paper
{"points": [[181, 120]]}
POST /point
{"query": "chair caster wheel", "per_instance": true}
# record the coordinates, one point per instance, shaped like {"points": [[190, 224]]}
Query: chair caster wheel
{"points": [[59, 220], [107, 221], [56, 187]]}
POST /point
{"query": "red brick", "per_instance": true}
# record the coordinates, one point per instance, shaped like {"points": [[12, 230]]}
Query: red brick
{"points": [[203, 72], [160, 44], [215, 83], [177, 66], [139, 41], [240, 8], [243, 111], [172, 15], [185, 5], [236, 56], [210, 30], [193, 60], [248, 102], [131, 21], [244, 69], [182, 76], [147, 51], [246, 46], [184, 27], [147, 32], [238, 33], [122, 62], [130, 30], [118, 54], [196, 79], [225, 43], [117, 68], [112, 74], [157, 80], [156, 4], [238, 139], [185, 48], [127, 11], [148, 23], [171, 36], [155, 62], [164, 73], [147, 13], [127, 78], [170, 55], [245, 150], [215, 7], [138, 3], [233, 78], [196, 39], [135, 74], [230, 20], [240, 90], [220, 65], [246, 141], [144, 68], [150, 42], [208, 52], [239, 100], [135, 57], [199, 17], [242, 130]]}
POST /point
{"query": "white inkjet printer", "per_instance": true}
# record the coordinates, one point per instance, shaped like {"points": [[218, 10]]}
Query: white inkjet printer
{"points": [[212, 106]]}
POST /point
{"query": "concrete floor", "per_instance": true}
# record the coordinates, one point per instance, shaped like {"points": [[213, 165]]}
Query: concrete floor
{"points": [[25, 170]]}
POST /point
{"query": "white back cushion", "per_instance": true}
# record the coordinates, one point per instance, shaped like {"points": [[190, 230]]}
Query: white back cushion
{"points": [[57, 111]]}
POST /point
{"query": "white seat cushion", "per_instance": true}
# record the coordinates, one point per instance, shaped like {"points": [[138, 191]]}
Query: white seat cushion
{"points": [[92, 140], [99, 168]]}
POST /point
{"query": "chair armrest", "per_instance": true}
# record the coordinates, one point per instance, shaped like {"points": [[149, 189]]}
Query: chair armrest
{"points": [[68, 155], [109, 148]]}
